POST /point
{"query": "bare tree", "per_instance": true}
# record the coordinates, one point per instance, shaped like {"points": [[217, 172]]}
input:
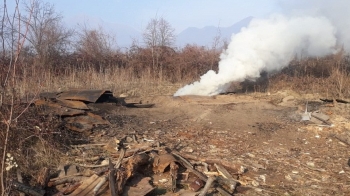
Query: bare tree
{"points": [[94, 43], [151, 34], [158, 35], [166, 33], [47, 37]]}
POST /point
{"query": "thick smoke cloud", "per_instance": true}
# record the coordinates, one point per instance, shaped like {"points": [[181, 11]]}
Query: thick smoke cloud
{"points": [[269, 44]]}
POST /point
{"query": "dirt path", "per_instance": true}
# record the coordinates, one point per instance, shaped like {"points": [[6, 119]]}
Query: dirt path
{"points": [[263, 133]]}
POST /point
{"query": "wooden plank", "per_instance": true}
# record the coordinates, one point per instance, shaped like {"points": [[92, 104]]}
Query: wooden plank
{"points": [[86, 188]]}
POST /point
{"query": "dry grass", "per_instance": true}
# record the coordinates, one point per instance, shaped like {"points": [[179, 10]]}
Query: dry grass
{"points": [[116, 79], [34, 149], [327, 76]]}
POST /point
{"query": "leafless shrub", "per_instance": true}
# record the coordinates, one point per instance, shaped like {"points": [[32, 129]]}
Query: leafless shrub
{"points": [[47, 38], [94, 44], [327, 75]]}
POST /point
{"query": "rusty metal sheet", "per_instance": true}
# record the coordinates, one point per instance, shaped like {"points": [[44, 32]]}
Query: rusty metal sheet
{"points": [[48, 95], [58, 109], [68, 112], [92, 96], [72, 104], [85, 122], [41, 102]]}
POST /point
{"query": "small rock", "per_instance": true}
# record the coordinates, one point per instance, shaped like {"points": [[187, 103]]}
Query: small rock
{"points": [[105, 162], [242, 170], [255, 183], [250, 155], [157, 132], [287, 177], [123, 95], [311, 164], [129, 139], [263, 178], [258, 190], [190, 150], [163, 180]]}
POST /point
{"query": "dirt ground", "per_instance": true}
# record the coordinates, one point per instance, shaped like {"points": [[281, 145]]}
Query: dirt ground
{"points": [[262, 132]]}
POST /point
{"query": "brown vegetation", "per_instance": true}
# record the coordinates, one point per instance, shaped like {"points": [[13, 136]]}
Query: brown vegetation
{"points": [[51, 61]]}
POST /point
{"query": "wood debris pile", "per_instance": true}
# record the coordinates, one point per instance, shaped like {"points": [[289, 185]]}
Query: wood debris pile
{"points": [[136, 167]]}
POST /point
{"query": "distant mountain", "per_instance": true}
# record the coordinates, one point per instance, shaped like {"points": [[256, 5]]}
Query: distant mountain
{"points": [[192, 35], [125, 34], [205, 36]]}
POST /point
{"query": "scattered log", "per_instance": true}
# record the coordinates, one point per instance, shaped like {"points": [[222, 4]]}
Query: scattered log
{"points": [[189, 166], [204, 164], [87, 186], [121, 156], [207, 186], [200, 175], [70, 179], [112, 181], [71, 188], [223, 192], [231, 184], [27, 189], [99, 185], [93, 166], [20, 180], [130, 152], [231, 181], [128, 170], [173, 175], [227, 164], [64, 177], [88, 145], [121, 177], [95, 158]]}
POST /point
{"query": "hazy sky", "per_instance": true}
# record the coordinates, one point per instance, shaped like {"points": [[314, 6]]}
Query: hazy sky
{"points": [[179, 13]]}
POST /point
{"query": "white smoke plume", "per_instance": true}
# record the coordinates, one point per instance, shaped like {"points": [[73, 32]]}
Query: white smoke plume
{"points": [[270, 44]]}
